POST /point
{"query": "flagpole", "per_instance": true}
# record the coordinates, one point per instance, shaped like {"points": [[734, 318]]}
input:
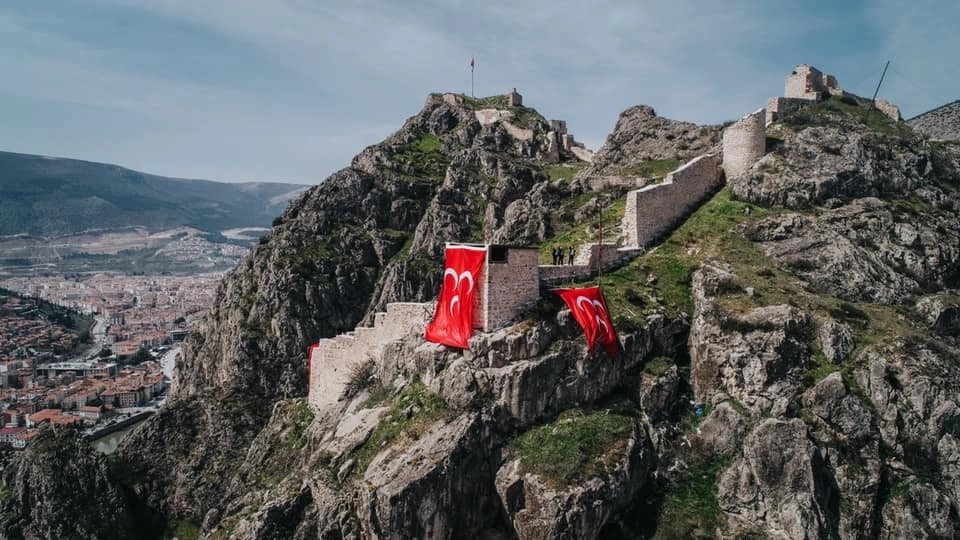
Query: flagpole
{"points": [[599, 241], [471, 78]]}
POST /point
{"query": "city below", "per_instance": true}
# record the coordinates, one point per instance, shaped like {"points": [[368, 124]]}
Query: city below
{"points": [[101, 369]]}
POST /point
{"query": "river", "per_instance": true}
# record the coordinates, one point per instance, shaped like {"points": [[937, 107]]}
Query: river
{"points": [[109, 443], [169, 361]]}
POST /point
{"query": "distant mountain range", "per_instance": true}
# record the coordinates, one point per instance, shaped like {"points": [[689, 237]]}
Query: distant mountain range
{"points": [[49, 197]]}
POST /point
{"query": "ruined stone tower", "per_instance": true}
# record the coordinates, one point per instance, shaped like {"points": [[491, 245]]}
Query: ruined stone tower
{"points": [[744, 142]]}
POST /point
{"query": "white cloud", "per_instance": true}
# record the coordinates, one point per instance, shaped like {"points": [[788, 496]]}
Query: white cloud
{"points": [[345, 74]]}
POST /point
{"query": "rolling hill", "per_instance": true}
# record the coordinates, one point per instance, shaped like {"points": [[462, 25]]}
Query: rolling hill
{"points": [[50, 197]]}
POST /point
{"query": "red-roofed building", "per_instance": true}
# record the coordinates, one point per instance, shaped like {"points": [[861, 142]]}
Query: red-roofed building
{"points": [[21, 439], [40, 417], [90, 414], [8, 435]]}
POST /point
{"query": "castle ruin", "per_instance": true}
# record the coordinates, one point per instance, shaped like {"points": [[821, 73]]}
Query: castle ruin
{"points": [[512, 279], [744, 143], [655, 210], [806, 85]]}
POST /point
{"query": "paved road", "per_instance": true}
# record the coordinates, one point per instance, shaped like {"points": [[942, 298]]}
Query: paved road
{"points": [[169, 361]]}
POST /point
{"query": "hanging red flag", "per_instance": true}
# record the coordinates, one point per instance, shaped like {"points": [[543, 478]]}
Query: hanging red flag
{"points": [[590, 310], [453, 321], [310, 353]]}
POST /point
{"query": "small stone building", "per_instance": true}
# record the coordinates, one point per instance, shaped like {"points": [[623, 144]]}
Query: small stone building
{"points": [[514, 99], [807, 82], [510, 283]]}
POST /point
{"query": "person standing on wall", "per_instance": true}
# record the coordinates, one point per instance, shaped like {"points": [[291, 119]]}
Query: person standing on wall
{"points": [[572, 251]]}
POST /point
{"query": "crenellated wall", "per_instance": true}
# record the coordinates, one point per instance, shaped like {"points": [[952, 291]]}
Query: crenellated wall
{"points": [[655, 210], [333, 362]]}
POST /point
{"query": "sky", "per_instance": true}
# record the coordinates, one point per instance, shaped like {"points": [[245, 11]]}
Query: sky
{"points": [[291, 90]]}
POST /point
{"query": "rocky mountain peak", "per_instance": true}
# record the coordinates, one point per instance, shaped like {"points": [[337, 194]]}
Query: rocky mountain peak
{"points": [[641, 137], [788, 363]]}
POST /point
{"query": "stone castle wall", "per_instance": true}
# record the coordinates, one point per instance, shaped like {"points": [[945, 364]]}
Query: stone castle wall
{"points": [[744, 142], [333, 362], [889, 109], [807, 82], [779, 106], [508, 288], [585, 264], [655, 210]]}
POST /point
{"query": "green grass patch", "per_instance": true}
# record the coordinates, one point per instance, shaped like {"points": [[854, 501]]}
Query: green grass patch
{"points": [[586, 232], [422, 159], [300, 418], [659, 366], [410, 413], [689, 508], [656, 168], [820, 114], [711, 231], [819, 371], [564, 171], [183, 529], [427, 143], [488, 102], [573, 446], [912, 206]]}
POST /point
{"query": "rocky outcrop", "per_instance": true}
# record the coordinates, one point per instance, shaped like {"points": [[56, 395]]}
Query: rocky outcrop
{"points": [[942, 123], [812, 393], [61, 488], [540, 509], [368, 235], [855, 401], [640, 136], [886, 224]]}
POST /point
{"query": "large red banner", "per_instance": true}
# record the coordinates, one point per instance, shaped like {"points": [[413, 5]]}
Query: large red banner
{"points": [[590, 310], [453, 321]]}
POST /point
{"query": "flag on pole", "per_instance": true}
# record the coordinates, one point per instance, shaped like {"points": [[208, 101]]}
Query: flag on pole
{"points": [[453, 320], [471, 64], [590, 310]]}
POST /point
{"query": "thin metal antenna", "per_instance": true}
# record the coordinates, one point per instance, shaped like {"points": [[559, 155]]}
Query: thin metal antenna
{"points": [[873, 100]]}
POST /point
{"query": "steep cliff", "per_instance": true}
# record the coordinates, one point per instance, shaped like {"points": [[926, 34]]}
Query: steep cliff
{"points": [[460, 170], [641, 141], [789, 364], [61, 488]]}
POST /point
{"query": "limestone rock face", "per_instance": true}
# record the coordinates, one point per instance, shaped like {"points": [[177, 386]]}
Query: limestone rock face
{"points": [[886, 222], [539, 509], [942, 123], [61, 488], [370, 234], [783, 482], [754, 357], [640, 135], [804, 384]]}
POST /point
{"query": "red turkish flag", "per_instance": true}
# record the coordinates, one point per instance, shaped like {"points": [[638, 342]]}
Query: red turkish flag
{"points": [[590, 310], [453, 321], [310, 353]]}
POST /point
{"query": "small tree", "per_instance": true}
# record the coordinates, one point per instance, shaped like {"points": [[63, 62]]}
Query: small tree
{"points": [[142, 355]]}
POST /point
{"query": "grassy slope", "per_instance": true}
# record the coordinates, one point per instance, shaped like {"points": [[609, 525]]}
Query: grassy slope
{"points": [[660, 281]]}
